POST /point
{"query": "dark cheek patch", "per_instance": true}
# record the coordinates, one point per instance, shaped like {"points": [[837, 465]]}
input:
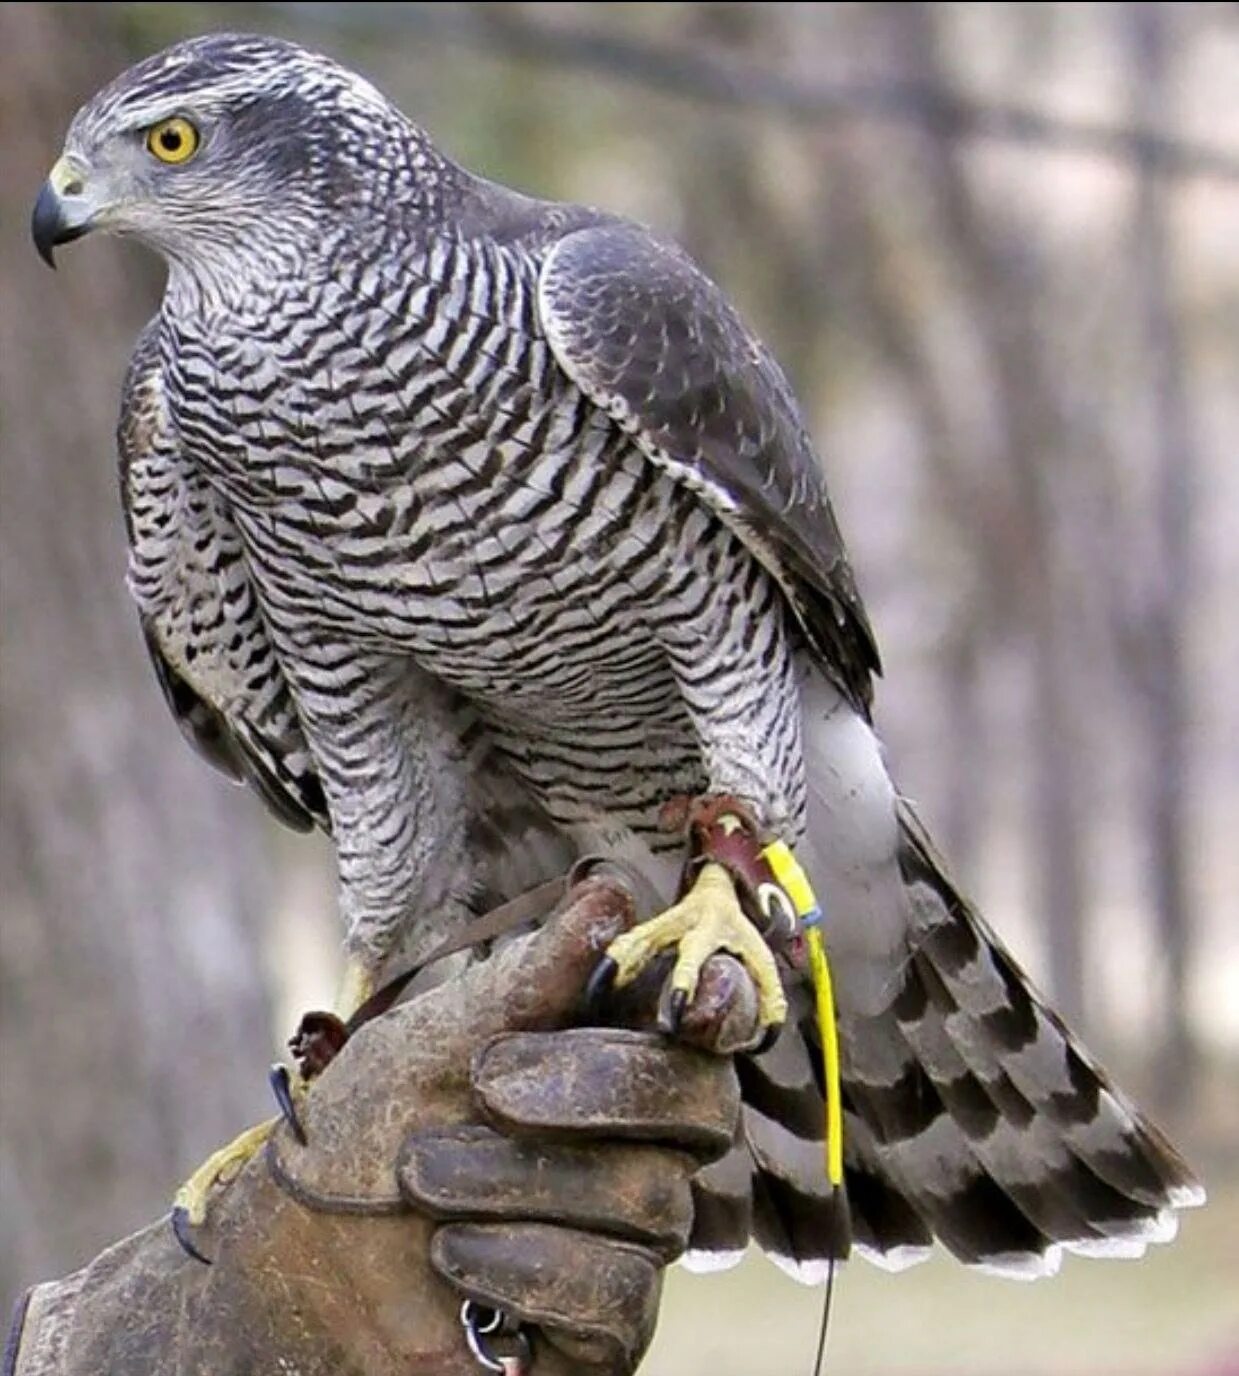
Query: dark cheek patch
{"points": [[284, 135]]}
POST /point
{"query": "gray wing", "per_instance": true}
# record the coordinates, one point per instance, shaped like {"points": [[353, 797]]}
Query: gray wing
{"points": [[648, 337], [200, 618]]}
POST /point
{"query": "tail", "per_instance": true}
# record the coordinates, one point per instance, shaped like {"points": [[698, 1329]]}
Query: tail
{"points": [[972, 1115]]}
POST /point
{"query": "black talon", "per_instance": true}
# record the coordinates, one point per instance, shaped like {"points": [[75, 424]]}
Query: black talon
{"points": [[281, 1087], [600, 983], [676, 1004], [180, 1230], [769, 1037]]}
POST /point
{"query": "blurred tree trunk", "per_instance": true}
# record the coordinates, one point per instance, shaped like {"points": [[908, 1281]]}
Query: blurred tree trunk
{"points": [[133, 1014], [998, 280], [732, 203], [1158, 639], [971, 515]]}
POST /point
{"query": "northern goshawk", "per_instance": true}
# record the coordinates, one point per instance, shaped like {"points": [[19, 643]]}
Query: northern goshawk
{"points": [[476, 529]]}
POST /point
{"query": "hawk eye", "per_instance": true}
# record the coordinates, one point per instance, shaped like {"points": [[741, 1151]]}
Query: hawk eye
{"points": [[173, 140]]}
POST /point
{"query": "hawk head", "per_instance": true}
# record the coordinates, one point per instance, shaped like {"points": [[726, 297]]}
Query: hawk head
{"points": [[224, 145]]}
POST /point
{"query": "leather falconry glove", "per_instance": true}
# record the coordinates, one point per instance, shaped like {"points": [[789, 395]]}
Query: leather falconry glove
{"points": [[469, 1144]]}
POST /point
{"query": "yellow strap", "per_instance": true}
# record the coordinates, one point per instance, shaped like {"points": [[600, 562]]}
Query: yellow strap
{"points": [[829, 1031], [795, 883]]}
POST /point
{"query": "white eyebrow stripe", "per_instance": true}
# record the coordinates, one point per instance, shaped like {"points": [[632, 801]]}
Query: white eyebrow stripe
{"points": [[203, 100]]}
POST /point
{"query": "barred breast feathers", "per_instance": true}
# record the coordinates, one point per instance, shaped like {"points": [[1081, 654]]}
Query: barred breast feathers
{"points": [[200, 617]]}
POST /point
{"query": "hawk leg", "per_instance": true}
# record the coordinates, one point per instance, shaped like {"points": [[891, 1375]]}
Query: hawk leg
{"points": [[707, 919], [189, 1207]]}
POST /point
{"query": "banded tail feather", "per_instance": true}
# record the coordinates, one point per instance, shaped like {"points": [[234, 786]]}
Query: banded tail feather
{"points": [[972, 1116]]}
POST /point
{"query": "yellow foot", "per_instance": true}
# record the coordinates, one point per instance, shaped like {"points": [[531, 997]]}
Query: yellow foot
{"points": [[707, 919], [189, 1208]]}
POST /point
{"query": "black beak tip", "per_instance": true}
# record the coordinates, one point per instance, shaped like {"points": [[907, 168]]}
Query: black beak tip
{"points": [[47, 225]]}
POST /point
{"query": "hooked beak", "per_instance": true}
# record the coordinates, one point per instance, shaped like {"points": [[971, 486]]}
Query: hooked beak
{"points": [[63, 212]]}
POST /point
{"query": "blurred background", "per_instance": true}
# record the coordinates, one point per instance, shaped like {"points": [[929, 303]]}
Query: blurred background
{"points": [[996, 246]]}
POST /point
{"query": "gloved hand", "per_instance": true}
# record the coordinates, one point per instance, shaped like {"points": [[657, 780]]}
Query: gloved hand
{"points": [[463, 1145]]}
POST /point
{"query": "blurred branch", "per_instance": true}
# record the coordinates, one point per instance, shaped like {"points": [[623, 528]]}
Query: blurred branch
{"points": [[690, 73]]}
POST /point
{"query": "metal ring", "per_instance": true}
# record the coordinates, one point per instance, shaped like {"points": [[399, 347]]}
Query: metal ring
{"points": [[475, 1330], [470, 1314], [774, 897], [473, 1317]]}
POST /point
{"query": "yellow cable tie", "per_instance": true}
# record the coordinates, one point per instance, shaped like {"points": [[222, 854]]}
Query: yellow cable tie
{"points": [[795, 883], [829, 1032]]}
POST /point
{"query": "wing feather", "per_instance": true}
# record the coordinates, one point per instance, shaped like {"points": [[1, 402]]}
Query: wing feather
{"points": [[650, 339]]}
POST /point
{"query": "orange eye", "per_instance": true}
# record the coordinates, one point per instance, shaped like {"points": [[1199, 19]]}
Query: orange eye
{"points": [[173, 140]]}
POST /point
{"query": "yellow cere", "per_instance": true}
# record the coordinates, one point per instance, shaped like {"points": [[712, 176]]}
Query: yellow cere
{"points": [[173, 140]]}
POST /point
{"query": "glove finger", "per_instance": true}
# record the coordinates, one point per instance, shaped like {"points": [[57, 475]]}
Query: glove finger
{"points": [[533, 981], [641, 1193], [596, 1300], [593, 1082], [417, 1055]]}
